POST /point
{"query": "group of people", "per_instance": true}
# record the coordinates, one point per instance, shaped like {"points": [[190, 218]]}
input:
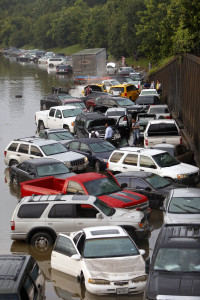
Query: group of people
{"points": [[151, 85]]}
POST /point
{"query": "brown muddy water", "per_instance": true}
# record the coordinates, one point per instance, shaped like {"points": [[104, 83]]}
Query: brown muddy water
{"points": [[22, 85]]}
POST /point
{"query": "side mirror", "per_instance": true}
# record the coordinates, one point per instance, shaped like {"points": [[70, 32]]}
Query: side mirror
{"points": [[142, 251], [147, 265], [124, 185], [99, 216], [76, 257], [148, 189]]}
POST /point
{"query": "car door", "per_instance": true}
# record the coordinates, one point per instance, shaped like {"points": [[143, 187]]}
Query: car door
{"points": [[62, 256], [51, 118], [147, 164], [86, 216], [58, 121], [23, 152], [85, 150], [130, 163], [61, 218]]}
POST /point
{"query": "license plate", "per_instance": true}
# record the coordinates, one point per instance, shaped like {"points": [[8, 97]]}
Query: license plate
{"points": [[122, 291]]}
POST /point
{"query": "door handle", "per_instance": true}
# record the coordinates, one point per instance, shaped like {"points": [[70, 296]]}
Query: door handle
{"points": [[18, 154], [124, 167]]}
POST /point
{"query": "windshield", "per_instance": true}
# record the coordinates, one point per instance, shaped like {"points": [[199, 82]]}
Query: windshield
{"points": [[157, 182], [107, 210], [53, 149], [109, 247], [125, 102], [165, 160], [58, 136], [77, 104], [158, 110], [183, 205], [178, 259], [102, 147], [52, 169], [64, 96], [148, 92], [102, 186], [71, 112]]}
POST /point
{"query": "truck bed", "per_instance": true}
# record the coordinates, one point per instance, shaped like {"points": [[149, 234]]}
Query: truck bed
{"points": [[42, 186]]}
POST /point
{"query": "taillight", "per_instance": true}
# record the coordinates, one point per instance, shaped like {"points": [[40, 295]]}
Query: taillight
{"points": [[125, 94], [168, 117], [146, 142], [107, 165], [12, 225], [125, 119], [180, 140], [5, 152]]}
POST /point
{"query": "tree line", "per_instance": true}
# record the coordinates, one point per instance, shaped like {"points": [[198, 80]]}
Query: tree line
{"points": [[154, 28]]}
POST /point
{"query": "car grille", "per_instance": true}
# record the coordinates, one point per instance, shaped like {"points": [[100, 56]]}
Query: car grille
{"points": [[77, 162], [120, 283], [193, 175]]}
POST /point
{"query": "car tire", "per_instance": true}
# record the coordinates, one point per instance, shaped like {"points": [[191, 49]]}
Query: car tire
{"points": [[42, 241], [66, 127], [97, 166], [13, 162], [41, 126], [51, 65], [14, 182]]}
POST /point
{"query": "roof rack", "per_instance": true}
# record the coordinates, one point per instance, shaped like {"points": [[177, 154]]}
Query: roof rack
{"points": [[44, 198]]}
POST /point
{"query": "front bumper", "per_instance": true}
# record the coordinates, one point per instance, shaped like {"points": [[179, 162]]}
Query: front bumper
{"points": [[192, 180]]}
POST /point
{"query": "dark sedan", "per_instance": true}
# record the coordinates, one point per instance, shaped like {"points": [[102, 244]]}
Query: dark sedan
{"points": [[125, 71], [64, 69], [53, 100], [37, 168], [97, 151], [148, 100], [155, 187]]}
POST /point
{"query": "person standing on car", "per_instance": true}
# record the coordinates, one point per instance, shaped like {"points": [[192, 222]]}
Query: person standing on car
{"points": [[136, 132], [108, 132]]}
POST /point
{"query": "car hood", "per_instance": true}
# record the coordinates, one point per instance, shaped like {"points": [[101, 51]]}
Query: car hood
{"points": [[67, 156], [181, 168], [173, 284], [115, 268], [123, 199]]}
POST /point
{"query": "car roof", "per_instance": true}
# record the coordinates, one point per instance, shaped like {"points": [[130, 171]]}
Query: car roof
{"points": [[146, 151], [186, 192], [140, 174], [35, 140], [104, 232], [64, 107]]}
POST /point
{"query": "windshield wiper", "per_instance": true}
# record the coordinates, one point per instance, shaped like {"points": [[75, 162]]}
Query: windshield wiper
{"points": [[191, 207]]}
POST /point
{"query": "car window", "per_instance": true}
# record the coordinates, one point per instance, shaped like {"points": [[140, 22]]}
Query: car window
{"points": [[62, 211], [52, 112], [86, 211], [52, 169], [74, 188], [65, 246], [165, 160], [101, 186], [35, 151], [31, 211], [58, 114], [131, 159], [23, 148], [74, 145], [13, 147], [147, 162], [84, 147], [102, 147], [184, 205], [124, 179], [42, 135], [116, 157], [53, 149], [163, 129], [139, 183], [71, 112], [58, 136]]}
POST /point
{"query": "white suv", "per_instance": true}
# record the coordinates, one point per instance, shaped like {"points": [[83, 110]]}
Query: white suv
{"points": [[152, 160], [38, 219], [33, 147], [162, 131]]}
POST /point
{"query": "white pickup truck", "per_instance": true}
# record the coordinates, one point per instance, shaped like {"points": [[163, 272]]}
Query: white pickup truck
{"points": [[57, 117]]}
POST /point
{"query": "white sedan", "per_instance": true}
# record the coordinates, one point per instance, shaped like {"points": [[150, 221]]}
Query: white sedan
{"points": [[105, 258], [149, 92]]}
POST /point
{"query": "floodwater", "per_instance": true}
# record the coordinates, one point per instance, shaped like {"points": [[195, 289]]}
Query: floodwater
{"points": [[22, 85]]}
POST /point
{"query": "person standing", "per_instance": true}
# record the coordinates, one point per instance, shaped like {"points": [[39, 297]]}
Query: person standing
{"points": [[158, 86], [152, 86], [108, 132], [136, 132]]}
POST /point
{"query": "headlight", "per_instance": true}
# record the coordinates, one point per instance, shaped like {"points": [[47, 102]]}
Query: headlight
{"points": [[67, 163], [85, 159], [182, 176], [98, 281], [140, 278]]}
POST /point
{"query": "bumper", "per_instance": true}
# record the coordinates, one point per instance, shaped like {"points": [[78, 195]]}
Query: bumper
{"points": [[113, 288], [193, 181]]}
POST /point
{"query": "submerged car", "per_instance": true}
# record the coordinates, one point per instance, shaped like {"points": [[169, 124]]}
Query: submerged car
{"points": [[105, 258], [64, 69]]}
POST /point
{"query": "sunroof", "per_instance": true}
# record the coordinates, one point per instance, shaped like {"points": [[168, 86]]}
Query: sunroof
{"points": [[106, 231], [80, 197]]}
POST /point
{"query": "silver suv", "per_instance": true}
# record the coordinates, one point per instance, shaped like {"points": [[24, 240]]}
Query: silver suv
{"points": [[33, 147], [38, 219]]}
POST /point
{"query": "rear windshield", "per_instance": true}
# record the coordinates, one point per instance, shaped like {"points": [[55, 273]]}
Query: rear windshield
{"points": [[163, 129]]}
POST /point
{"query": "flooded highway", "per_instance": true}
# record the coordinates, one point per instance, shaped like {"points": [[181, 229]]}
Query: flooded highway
{"points": [[22, 85]]}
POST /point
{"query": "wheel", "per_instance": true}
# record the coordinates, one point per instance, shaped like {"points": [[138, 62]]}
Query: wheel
{"points": [[13, 162], [44, 106], [66, 127], [15, 182], [97, 166], [42, 241], [91, 109], [51, 65], [41, 126]]}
